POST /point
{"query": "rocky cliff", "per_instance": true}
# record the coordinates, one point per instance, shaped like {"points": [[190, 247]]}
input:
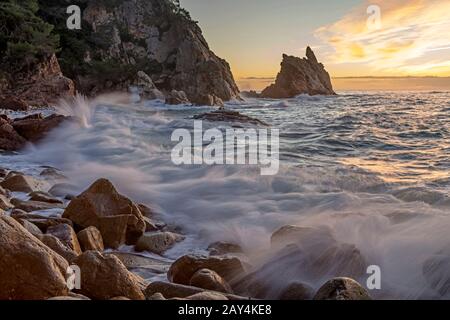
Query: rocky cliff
{"points": [[300, 76], [123, 41]]}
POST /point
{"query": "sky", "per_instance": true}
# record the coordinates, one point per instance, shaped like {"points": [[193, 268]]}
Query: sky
{"points": [[351, 37]]}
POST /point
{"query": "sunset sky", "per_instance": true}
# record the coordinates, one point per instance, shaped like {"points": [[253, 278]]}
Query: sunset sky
{"points": [[413, 38]]}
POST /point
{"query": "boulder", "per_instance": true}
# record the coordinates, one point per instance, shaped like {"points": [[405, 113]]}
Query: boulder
{"points": [[182, 270], [5, 204], [59, 247], [177, 97], [10, 140], [220, 248], [208, 100], [53, 173], [157, 297], [21, 183], [157, 242], [30, 227], [300, 76], [30, 206], [42, 222], [29, 270], [342, 289], [63, 190], [210, 280], [104, 277], [296, 291], [37, 127], [91, 239], [117, 217], [66, 235], [12, 103], [42, 196], [4, 192], [208, 296]]}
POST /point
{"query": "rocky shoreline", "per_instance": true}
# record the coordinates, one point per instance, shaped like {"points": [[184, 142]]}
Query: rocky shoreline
{"points": [[45, 228]]}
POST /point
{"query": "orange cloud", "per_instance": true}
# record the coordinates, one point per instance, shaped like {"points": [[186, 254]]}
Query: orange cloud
{"points": [[410, 30]]}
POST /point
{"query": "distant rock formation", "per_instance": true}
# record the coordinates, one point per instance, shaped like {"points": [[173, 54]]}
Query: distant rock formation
{"points": [[300, 76]]}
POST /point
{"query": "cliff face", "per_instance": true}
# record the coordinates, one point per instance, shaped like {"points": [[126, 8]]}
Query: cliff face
{"points": [[300, 76], [123, 37]]}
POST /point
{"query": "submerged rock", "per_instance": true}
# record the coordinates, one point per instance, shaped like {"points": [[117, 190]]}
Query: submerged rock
{"points": [[229, 116], [342, 289], [300, 76]]}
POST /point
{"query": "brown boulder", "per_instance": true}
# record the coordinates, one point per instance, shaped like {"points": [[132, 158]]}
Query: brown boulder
{"points": [[35, 128], [104, 277], [157, 242], [56, 245], [30, 227], [29, 270], [66, 235], [43, 197], [42, 222], [220, 248], [91, 239], [342, 289], [12, 103], [21, 183], [10, 140], [5, 204], [30, 206], [117, 217], [182, 270], [210, 280]]}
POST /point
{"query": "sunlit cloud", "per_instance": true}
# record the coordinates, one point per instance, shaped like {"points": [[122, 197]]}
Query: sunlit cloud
{"points": [[414, 38]]}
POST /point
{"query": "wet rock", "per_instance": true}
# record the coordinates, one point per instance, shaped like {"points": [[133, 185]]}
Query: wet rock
{"points": [[436, 273], [208, 100], [12, 103], [342, 289], [10, 140], [21, 183], [30, 227], [229, 116], [208, 296], [35, 128], [143, 266], [42, 222], [220, 248], [66, 235], [5, 204], [29, 270], [158, 242], [297, 291], [63, 190], [53, 173], [185, 267], [30, 206], [117, 217], [177, 97], [42, 196], [210, 280], [300, 76], [91, 239], [59, 247], [105, 277], [310, 238]]}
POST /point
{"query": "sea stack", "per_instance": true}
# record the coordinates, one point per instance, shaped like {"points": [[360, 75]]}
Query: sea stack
{"points": [[300, 76]]}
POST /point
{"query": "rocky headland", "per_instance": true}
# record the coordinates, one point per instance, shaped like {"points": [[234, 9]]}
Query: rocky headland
{"points": [[152, 45], [300, 76]]}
